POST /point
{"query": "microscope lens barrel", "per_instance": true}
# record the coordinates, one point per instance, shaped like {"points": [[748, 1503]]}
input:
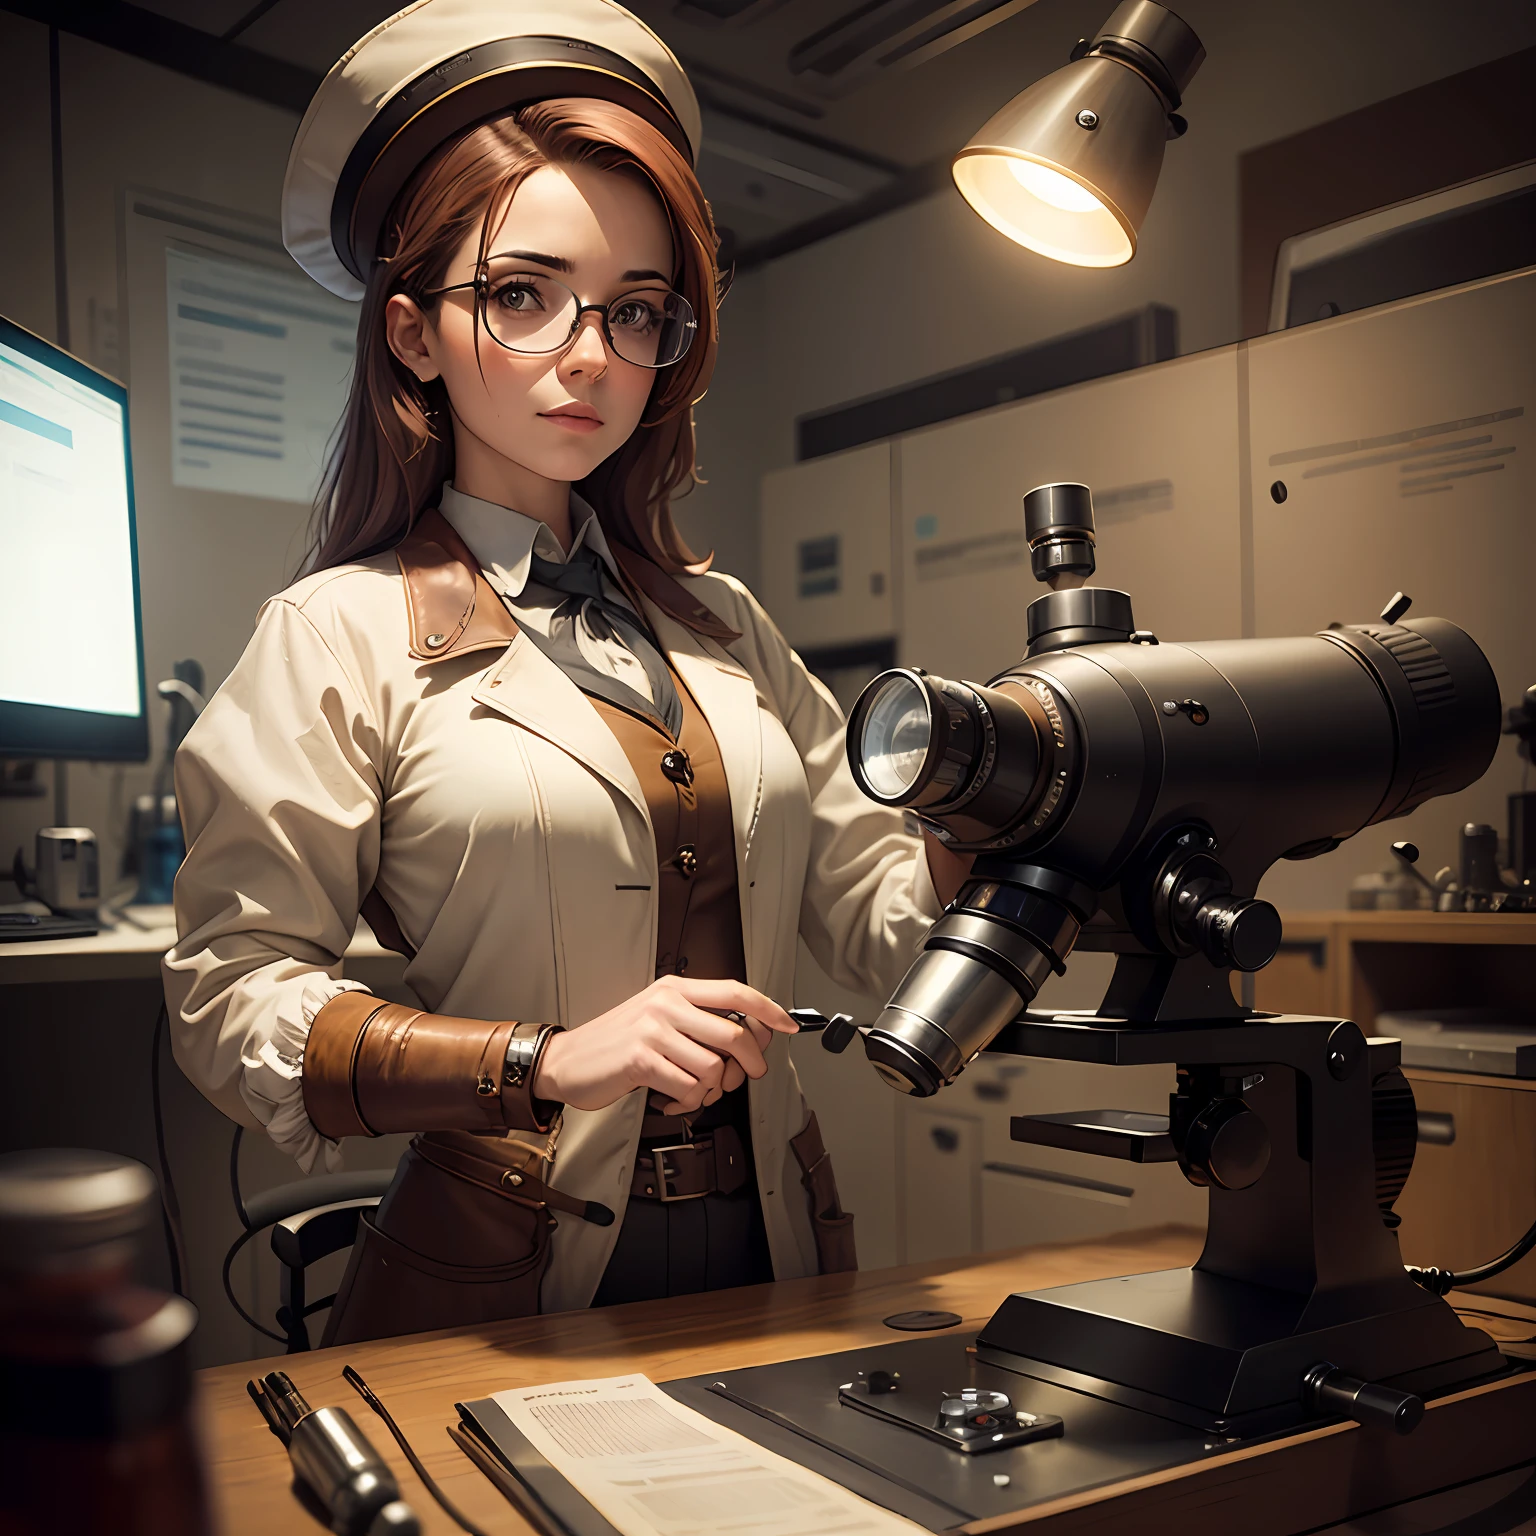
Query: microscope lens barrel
{"points": [[1161, 781]]}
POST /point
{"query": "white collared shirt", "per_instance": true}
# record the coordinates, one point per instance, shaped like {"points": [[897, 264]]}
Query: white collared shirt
{"points": [[504, 542]]}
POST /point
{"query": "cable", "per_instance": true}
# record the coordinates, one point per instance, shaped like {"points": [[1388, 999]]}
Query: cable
{"points": [[242, 1240], [1440, 1281], [170, 1206], [449, 1508], [229, 1289], [234, 1177]]}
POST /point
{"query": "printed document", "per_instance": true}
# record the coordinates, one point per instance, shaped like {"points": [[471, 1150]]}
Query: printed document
{"points": [[655, 1468]]}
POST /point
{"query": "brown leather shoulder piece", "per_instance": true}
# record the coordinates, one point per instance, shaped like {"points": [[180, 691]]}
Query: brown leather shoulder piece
{"points": [[451, 606], [329, 1055]]}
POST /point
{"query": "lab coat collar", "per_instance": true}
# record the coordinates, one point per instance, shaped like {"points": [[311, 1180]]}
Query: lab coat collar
{"points": [[453, 610], [504, 540]]}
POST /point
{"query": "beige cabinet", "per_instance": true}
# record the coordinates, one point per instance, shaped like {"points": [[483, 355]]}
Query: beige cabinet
{"points": [[1158, 446], [826, 572], [1032, 1194], [1392, 450], [941, 1155]]}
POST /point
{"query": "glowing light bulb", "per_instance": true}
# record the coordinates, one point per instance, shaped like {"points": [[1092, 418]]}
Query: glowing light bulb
{"points": [[1054, 188]]}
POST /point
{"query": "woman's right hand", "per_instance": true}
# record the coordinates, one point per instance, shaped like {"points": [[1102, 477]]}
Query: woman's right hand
{"points": [[670, 1038]]}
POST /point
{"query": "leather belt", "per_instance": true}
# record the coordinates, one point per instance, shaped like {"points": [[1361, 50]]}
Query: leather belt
{"points": [[715, 1164]]}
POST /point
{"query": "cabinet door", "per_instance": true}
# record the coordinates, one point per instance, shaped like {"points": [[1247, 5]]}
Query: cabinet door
{"points": [[826, 548], [1470, 1201], [1158, 447], [1400, 441], [941, 1164], [1034, 1194]]}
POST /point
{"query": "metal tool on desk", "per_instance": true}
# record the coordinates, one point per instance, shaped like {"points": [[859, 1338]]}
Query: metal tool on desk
{"points": [[334, 1462]]}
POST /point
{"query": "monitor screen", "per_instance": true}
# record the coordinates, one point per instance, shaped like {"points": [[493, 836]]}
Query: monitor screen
{"points": [[71, 661]]}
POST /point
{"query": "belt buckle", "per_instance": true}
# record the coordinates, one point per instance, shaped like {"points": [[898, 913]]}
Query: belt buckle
{"points": [[658, 1161]]}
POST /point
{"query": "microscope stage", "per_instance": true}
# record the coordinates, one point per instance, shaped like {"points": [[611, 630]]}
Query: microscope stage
{"points": [[793, 1408]]}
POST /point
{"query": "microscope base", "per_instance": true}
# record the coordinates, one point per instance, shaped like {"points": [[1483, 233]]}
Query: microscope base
{"points": [[1149, 1464], [793, 1408], [1221, 1355]]}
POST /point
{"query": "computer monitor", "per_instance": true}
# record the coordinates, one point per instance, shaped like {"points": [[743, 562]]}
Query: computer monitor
{"points": [[71, 652]]}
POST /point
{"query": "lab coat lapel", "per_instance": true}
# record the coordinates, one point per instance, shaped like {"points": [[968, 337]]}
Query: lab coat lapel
{"points": [[529, 689]]}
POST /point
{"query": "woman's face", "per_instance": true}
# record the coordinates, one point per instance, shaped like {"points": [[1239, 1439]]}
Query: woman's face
{"points": [[601, 234]]}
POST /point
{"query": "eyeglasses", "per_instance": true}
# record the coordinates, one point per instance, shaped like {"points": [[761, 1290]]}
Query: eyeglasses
{"points": [[534, 315]]}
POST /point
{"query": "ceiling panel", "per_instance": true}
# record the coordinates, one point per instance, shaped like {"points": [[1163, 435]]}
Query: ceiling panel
{"points": [[810, 105], [215, 16]]}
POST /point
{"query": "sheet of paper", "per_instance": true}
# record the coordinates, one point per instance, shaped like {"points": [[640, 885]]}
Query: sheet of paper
{"points": [[656, 1468], [260, 360]]}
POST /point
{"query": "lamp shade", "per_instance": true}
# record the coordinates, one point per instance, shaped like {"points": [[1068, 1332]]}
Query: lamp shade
{"points": [[1072, 193], [1069, 166]]}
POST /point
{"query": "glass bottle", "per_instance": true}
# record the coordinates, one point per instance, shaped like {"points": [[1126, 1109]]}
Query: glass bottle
{"points": [[96, 1430]]}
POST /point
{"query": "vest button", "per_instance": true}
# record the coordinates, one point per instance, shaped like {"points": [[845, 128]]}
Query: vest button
{"points": [[687, 861], [676, 766]]}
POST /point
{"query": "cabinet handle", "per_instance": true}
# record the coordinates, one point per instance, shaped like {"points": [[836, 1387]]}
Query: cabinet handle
{"points": [[1436, 1129]]}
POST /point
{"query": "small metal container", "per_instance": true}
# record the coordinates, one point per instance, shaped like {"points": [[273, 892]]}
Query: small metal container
{"points": [[68, 869]]}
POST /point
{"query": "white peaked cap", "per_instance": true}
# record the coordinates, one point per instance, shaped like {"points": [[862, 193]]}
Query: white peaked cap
{"points": [[432, 70]]}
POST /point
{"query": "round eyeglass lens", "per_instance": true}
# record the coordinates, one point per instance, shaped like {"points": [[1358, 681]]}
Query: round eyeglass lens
{"points": [[533, 314], [893, 745], [651, 329]]}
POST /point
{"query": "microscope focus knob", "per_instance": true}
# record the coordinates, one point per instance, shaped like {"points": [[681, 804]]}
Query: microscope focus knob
{"points": [[1244, 934], [1227, 1145], [1328, 1391]]}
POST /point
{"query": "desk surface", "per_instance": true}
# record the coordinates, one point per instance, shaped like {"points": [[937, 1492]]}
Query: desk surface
{"points": [[126, 952], [1412, 927], [420, 1379]]}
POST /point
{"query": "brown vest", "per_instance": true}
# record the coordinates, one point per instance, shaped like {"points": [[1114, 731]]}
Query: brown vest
{"points": [[698, 931]]}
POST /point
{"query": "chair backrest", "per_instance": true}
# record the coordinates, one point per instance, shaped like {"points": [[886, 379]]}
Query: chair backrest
{"points": [[299, 1241], [310, 1219]]}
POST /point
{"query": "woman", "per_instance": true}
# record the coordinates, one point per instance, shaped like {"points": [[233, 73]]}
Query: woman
{"points": [[578, 778]]}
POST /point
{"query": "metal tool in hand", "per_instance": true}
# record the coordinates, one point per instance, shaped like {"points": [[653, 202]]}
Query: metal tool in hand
{"points": [[836, 1033]]}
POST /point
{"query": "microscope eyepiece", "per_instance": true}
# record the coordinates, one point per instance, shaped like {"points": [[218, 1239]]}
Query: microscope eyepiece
{"points": [[973, 762]]}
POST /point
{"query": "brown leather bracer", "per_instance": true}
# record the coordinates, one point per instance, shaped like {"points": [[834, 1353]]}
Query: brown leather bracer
{"points": [[371, 1068]]}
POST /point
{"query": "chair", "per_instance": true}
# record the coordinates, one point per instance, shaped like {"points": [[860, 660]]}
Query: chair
{"points": [[310, 1219]]}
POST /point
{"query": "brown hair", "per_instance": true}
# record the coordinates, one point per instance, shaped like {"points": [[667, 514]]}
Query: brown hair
{"points": [[394, 447]]}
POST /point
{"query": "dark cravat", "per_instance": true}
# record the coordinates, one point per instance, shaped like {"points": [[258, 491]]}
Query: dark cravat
{"points": [[580, 580]]}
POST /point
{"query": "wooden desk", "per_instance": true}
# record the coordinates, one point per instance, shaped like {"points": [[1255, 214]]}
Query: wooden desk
{"points": [[1359, 964], [1304, 1482], [126, 952]]}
